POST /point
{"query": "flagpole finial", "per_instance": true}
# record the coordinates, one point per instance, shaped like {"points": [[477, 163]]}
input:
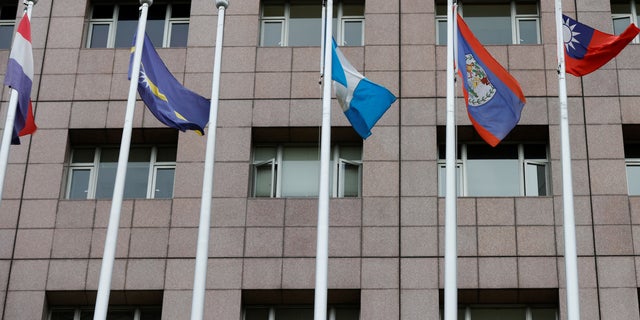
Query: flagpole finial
{"points": [[149, 2], [222, 3], [26, 2]]}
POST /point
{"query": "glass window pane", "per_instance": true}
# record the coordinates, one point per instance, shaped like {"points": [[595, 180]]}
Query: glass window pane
{"points": [[492, 177], [535, 178], [127, 26], [6, 34], [498, 314], [264, 153], [62, 314], [351, 180], [256, 314], [442, 32], [352, 33], [442, 179], [155, 31], [104, 11], [272, 33], [180, 10], [528, 31], [633, 179], [99, 35], [543, 314], [179, 34], [300, 171], [137, 173], [79, 188], [106, 173], [164, 183], [491, 24], [8, 12], [305, 25], [620, 24], [263, 185]]}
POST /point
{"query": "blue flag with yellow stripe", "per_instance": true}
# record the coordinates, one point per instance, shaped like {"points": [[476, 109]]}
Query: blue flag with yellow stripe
{"points": [[172, 103]]}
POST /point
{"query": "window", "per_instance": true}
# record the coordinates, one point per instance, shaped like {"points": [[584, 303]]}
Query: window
{"points": [[632, 161], [506, 304], [298, 312], [623, 13], [343, 304], [293, 170], [299, 23], [114, 25], [77, 305], [7, 23], [505, 170], [495, 23], [120, 313], [150, 169], [286, 162]]}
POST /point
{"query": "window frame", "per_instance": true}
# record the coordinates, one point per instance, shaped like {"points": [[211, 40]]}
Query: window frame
{"points": [[630, 162], [286, 18], [137, 311], [154, 165], [462, 172], [465, 310], [112, 24], [337, 169], [515, 18]]}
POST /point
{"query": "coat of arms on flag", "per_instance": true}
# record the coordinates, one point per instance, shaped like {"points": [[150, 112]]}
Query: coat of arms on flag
{"points": [[479, 87]]}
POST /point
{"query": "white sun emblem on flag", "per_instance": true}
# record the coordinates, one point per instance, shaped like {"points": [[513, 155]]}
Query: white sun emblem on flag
{"points": [[143, 78], [568, 35]]}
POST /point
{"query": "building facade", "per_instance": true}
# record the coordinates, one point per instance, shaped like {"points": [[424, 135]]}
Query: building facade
{"points": [[387, 208]]}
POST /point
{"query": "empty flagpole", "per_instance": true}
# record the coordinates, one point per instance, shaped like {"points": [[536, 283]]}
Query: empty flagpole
{"points": [[202, 254], [108, 257], [8, 125], [322, 247], [450, 251], [570, 255]]}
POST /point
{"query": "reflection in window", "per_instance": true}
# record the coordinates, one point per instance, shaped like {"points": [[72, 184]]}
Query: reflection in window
{"points": [[293, 171], [496, 23], [505, 170], [150, 172], [114, 25], [624, 13], [299, 23]]}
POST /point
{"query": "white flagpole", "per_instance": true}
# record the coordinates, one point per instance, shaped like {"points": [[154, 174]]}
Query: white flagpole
{"points": [[202, 254], [450, 251], [8, 125], [322, 249], [570, 255], [108, 257]]}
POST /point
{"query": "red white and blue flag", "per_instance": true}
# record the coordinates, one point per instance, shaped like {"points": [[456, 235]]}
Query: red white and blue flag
{"points": [[493, 97], [20, 78], [587, 49]]}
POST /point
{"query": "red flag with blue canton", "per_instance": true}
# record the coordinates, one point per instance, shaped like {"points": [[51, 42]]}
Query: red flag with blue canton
{"points": [[493, 97], [587, 49]]}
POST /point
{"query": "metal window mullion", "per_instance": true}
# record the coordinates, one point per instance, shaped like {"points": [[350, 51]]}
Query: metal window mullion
{"points": [[284, 35], [467, 313], [337, 187], [77, 314], [93, 175], [113, 29], [272, 313], [137, 314], [634, 17], [278, 170], [515, 30], [521, 170]]}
